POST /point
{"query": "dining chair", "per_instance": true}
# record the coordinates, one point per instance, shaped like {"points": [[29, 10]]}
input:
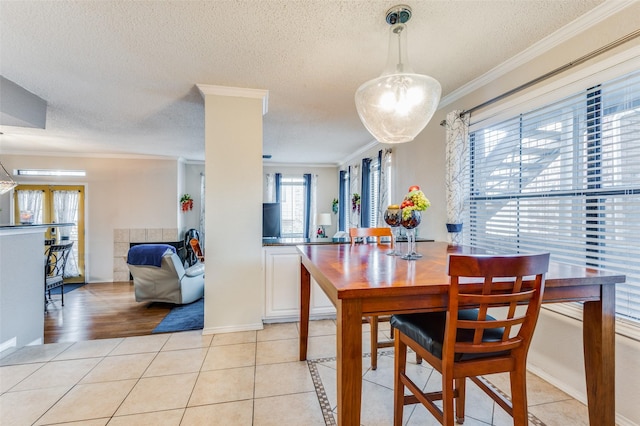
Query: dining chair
{"points": [[56, 260], [364, 234], [195, 245], [465, 341]]}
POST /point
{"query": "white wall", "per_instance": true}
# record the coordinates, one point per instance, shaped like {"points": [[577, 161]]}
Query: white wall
{"points": [[327, 187], [191, 219], [120, 193], [557, 349]]}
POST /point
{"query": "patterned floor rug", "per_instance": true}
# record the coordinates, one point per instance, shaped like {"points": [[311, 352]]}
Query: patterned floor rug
{"points": [[323, 394]]}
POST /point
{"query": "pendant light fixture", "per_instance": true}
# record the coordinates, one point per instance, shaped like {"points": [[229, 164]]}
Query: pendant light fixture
{"points": [[397, 106]]}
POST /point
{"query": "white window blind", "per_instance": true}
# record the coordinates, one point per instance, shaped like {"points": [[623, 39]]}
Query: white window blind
{"points": [[565, 178]]}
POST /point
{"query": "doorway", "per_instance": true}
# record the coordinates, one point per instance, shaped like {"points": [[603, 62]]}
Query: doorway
{"points": [[56, 204]]}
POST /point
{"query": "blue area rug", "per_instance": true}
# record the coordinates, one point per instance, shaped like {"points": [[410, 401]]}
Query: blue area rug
{"points": [[67, 288], [183, 318]]}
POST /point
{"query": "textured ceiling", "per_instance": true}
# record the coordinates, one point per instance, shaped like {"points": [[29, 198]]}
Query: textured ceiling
{"points": [[119, 76]]}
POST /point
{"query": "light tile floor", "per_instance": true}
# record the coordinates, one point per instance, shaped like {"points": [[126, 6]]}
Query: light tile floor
{"points": [[246, 378]]}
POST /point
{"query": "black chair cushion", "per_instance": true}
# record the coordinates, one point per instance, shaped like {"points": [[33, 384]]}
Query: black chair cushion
{"points": [[427, 329]]}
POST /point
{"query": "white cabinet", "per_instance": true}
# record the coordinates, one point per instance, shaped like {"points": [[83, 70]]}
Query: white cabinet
{"points": [[282, 287]]}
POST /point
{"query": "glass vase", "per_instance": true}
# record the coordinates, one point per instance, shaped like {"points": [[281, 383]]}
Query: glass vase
{"points": [[393, 217], [410, 224]]}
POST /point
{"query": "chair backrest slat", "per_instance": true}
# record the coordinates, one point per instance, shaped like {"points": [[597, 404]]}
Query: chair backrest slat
{"points": [[496, 299], [488, 347]]}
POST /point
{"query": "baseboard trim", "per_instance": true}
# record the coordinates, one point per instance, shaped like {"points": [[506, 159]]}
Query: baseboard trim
{"points": [[8, 344], [232, 329]]}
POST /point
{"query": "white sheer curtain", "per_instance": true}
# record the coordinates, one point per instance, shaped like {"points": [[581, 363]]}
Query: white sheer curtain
{"points": [[313, 228], [201, 224], [31, 200], [386, 173], [456, 170], [65, 210], [270, 194], [354, 193]]}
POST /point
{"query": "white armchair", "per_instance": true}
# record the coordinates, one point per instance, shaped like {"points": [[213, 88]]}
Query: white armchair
{"points": [[159, 276]]}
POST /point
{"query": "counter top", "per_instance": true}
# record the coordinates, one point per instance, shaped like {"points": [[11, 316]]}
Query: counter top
{"points": [[310, 241], [297, 241], [35, 225]]}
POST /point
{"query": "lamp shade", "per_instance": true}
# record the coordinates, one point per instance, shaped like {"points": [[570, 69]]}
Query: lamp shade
{"points": [[397, 106], [324, 219]]}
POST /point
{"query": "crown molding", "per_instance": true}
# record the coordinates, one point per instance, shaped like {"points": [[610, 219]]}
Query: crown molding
{"points": [[124, 156], [237, 92], [584, 22], [359, 152], [301, 165]]}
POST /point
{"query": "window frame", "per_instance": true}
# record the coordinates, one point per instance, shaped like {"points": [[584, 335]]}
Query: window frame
{"points": [[293, 181]]}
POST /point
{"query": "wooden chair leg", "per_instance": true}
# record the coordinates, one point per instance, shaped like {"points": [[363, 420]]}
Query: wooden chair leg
{"points": [[461, 392], [519, 397], [373, 321], [400, 363], [447, 400], [62, 293]]}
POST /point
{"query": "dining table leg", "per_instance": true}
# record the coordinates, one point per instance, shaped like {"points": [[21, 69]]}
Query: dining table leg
{"points": [[305, 300], [349, 361], [599, 357]]}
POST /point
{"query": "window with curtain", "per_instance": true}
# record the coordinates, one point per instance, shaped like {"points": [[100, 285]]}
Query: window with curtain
{"points": [[565, 178], [294, 198], [370, 192], [343, 202]]}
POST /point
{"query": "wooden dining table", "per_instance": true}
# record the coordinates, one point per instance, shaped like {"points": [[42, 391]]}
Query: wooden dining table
{"points": [[363, 280]]}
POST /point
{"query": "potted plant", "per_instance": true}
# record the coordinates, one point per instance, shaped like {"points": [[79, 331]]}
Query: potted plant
{"points": [[186, 202], [355, 203]]}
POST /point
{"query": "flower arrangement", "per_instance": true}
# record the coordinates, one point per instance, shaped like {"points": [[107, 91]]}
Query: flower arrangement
{"points": [[414, 200], [186, 202], [355, 202]]}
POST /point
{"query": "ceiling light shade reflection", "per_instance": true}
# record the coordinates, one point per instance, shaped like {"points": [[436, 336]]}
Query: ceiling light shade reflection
{"points": [[6, 181]]}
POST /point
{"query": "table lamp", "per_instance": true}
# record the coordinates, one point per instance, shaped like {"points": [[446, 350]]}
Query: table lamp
{"points": [[323, 219]]}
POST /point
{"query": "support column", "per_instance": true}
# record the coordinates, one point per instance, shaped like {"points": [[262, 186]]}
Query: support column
{"points": [[234, 280]]}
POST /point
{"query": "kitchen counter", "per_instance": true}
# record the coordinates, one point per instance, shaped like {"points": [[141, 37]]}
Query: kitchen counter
{"points": [[34, 225], [296, 241], [267, 242]]}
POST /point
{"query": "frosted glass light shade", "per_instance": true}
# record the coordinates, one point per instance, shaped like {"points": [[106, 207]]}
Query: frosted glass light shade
{"points": [[397, 106]]}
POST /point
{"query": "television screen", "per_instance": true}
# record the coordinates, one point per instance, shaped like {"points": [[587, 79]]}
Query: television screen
{"points": [[271, 220]]}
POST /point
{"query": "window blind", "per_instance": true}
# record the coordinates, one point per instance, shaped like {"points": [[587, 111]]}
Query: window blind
{"points": [[564, 178]]}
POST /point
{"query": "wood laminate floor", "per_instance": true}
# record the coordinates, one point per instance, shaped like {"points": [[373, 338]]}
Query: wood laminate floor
{"points": [[101, 311]]}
